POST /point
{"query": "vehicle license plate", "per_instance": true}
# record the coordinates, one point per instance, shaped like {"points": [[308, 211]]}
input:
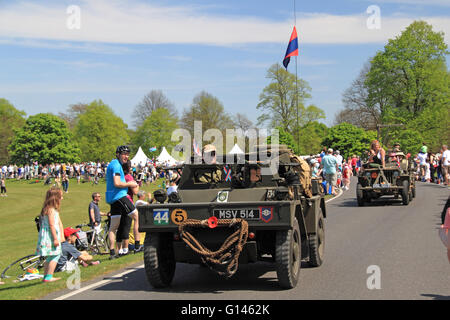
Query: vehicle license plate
{"points": [[382, 185], [247, 214]]}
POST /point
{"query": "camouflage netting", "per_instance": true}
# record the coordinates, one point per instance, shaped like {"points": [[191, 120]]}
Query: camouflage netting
{"points": [[287, 156], [304, 172]]}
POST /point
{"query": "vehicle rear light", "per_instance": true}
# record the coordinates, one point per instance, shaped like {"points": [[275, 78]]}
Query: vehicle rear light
{"points": [[374, 175], [251, 236]]}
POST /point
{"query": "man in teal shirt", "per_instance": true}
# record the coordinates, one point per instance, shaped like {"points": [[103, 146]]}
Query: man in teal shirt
{"points": [[330, 167]]}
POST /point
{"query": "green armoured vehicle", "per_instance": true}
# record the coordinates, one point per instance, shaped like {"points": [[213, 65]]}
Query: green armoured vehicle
{"points": [[225, 214], [395, 179]]}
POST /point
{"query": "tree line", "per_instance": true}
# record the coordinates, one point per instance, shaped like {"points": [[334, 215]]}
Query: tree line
{"points": [[401, 95], [403, 91]]}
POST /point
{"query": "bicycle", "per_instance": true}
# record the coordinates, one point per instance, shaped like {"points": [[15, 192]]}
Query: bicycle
{"points": [[91, 241], [21, 266], [95, 180]]}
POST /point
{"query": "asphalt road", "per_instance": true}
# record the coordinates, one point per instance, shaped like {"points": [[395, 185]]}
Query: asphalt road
{"points": [[393, 248]]}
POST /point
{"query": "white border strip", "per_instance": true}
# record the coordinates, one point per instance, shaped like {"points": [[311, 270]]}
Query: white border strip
{"points": [[96, 284], [340, 194]]}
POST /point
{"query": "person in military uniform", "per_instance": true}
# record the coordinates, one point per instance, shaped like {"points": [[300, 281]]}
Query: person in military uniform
{"points": [[396, 147], [209, 175]]}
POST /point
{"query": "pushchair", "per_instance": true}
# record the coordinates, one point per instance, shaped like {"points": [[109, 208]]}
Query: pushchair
{"points": [[82, 242]]}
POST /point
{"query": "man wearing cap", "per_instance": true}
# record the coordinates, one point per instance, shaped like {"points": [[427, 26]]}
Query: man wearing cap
{"points": [[210, 157], [69, 251], [330, 167]]}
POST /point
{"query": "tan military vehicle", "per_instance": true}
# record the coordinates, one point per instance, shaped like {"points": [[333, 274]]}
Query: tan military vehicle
{"points": [[226, 214], [395, 179]]}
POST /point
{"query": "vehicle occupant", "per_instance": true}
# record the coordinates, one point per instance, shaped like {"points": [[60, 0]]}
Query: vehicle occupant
{"points": [[376, 153], [210, 157]]}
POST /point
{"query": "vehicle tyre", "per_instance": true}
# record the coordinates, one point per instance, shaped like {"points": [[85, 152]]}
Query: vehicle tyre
{"points": [[413, 191], [19, 267], [317, 243], [405, 193], [288, 256], [359, 195], [159, 259]]}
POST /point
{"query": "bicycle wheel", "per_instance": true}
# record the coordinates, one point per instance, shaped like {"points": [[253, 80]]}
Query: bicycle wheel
{"points": [[19, 267], [101, 244]]}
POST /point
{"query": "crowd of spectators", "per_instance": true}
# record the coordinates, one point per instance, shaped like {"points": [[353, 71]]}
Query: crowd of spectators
{"points": [[332, 170], [83, 172], [432, 166]]}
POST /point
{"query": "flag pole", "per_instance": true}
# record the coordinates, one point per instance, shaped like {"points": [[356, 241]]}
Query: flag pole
{"points": [[296, 86]]}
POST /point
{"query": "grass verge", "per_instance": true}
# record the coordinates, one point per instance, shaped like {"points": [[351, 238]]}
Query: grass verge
{"points": [[18, 233]]}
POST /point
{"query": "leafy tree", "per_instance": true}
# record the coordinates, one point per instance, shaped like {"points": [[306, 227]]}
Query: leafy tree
{"points": [[410, 141], [348, 139], [11, 119], [210, 111], [285, 138], [357, 109], [283, 99], [74, 111], [311, 136], [432, 126], [241, 121], [155, 99], [156, 131], [411, 75], [99, 131], [45, 138], [311, 113]]}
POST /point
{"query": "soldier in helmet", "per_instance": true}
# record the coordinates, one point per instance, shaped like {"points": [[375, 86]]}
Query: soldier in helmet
{"points": [[210, 157]]}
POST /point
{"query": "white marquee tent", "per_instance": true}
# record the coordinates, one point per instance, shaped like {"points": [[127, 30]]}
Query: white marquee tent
{"points": [[165, 158], [139, 158], [236, 150]]}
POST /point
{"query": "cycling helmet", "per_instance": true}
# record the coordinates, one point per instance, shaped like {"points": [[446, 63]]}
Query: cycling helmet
{"points": [[122, 149]]}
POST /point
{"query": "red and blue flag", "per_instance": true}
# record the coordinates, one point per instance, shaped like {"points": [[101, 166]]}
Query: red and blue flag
{"points": [[292, 49], [196, 148]]}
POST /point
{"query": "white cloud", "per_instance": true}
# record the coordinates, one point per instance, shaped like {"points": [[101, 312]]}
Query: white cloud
{"points": [[117, 22], [83, 64], [92, 47]]}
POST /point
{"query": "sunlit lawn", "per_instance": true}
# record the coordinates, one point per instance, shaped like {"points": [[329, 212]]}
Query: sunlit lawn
{"points": [[18, 233]]}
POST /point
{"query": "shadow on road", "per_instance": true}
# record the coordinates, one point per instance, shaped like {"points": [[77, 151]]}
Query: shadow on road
{"points": [[350, 202], [197, 279], [436, 296]]}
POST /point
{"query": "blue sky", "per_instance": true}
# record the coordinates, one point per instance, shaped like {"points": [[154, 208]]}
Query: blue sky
{"points": [[124, 49]]}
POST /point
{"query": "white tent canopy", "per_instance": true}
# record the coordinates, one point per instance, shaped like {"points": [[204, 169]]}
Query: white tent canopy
{"points": [[139, 158], [165, 158], [236, 150]]}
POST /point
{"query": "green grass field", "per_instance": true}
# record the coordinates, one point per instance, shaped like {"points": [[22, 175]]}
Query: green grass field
{"points": [[18, 233]]}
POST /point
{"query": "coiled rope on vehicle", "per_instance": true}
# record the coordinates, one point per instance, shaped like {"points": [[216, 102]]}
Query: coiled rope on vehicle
{"points": [[228, 254]]}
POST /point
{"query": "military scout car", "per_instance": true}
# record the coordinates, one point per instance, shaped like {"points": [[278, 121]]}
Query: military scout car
{"points": [[396, 179], [225, 214]]}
